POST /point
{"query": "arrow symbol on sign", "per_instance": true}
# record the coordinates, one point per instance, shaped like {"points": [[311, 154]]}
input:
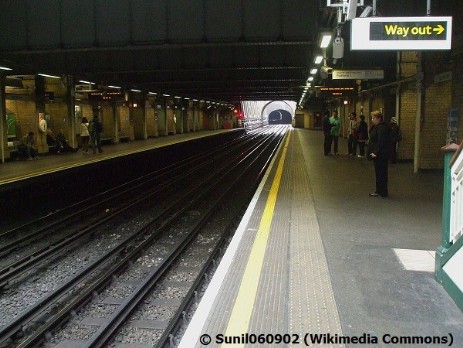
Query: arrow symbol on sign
{"points": [[440, 29]]}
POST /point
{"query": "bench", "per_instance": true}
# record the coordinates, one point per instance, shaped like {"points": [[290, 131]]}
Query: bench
{"points": [[13, 149], [124, 138]]}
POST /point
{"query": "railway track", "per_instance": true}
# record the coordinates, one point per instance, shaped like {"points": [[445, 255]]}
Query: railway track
{"points": [[156, 247]]}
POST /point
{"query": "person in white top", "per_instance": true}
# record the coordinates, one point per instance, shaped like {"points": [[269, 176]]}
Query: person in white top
{"points": [[84, 135]]}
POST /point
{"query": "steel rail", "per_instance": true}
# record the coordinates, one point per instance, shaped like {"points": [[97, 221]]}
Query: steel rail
{"points": [[102, 336], [9, 272], [34, 310], [166, 339]]}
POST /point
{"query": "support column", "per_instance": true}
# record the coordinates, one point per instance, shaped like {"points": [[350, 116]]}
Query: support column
{"points": [[71, 106], [162, 117], [419, 88]]}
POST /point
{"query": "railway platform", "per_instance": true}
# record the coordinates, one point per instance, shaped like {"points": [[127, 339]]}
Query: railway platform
{"points": [[21, 169], [317, 262]]}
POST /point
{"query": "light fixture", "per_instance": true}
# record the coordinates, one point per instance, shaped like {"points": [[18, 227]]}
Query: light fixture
{"points": [[136, 90], [51, 76], [318, 59], [87, 82], [152, 93], [310, 79], [313, 71], [5, 68], [177, 97], [325, 40], [116, 87], [166, 95]]}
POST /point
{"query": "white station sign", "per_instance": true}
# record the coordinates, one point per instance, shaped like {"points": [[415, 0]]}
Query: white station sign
{"points": [[351, 74], [401, 33]]}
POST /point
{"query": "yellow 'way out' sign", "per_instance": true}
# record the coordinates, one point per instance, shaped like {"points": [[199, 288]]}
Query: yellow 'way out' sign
{"points": [[401, 33]]}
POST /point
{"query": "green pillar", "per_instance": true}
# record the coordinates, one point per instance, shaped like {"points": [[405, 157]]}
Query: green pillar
{"points": [[449, 150]]}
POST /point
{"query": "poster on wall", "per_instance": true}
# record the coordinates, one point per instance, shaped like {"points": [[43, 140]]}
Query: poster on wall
{"points": [[452, 126], [11, 124]]}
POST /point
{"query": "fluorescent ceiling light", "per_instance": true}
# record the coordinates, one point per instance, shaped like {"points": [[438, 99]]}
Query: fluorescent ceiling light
{"points": [[87, 82], [318, 59], [5, 68], [166, 95], [195, 99], [136, 90], [310, 79], [114, 87], [152, 93], [326, 39], [313, 71], [51, 76], [176, 97], [186, 98]]}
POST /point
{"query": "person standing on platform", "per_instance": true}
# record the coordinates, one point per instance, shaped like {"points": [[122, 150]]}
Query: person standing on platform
{"points": [[352, 135], [335, 129], [327, 133], [362, 135], [84, 135], [378, 151], [95, 128], [396, 137]]}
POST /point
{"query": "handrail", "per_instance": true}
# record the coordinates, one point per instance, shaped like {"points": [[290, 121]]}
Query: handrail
{"points": [[456, 201]]}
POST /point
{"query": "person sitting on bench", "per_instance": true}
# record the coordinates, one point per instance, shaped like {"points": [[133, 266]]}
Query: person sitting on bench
{"points": [[28, 147]]}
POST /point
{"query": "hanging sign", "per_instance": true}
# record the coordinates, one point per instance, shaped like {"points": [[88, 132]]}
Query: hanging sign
{"points": [[401, 33], [354, 74]]}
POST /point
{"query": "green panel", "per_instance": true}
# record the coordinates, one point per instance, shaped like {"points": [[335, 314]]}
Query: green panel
{"points": [[11, 122]]}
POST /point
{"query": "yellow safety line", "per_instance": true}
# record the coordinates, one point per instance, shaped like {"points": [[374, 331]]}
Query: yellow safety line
{"points": [[239, 320]]}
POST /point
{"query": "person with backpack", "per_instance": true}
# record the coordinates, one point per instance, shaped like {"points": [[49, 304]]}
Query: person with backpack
{"points": [[335, 122], [95, 128], [327, 133], [362, 135], [396, 136], [378, 151]]}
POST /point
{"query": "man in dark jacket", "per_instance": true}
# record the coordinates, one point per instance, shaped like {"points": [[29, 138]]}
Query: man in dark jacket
{"points": [[95, 128], [327, 133], [378, 150]]}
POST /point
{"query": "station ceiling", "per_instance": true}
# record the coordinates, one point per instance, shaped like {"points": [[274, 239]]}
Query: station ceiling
{"points": [[222, 50]]}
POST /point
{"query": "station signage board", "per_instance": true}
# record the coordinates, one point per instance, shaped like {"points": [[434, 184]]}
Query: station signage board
{"points": [[358, 74], [401, 33], [336, 91]]}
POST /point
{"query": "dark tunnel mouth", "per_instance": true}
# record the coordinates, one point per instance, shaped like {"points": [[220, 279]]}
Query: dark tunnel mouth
{"points": [[280, 116]]}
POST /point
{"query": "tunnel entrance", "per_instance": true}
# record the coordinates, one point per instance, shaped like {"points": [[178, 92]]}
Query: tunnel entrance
{"points": [[280, 117]]}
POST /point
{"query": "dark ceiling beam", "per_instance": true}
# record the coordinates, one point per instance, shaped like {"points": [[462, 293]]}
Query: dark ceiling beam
{"points": [[153, 47]]}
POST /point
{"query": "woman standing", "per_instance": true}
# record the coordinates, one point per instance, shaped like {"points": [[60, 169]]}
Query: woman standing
{"points": [[84, 135]]}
